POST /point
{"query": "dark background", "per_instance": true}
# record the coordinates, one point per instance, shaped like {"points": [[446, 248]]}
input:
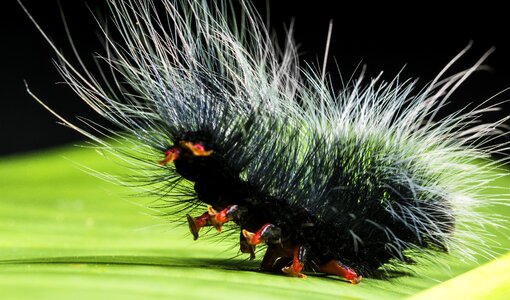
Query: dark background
{"points": [[422, 37]]}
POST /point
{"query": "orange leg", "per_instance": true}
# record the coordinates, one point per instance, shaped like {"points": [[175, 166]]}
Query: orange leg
{"points": [[271, 235], [212, 218], [298, 264], [245, 247], [266, 233], [334, 267], [195, 224]]}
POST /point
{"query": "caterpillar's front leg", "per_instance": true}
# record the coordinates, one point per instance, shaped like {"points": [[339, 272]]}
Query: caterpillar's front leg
{"points": [[213, 218], [268, 233]]}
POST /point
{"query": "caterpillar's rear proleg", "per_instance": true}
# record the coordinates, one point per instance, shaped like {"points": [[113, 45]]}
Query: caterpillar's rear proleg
{"points": [[334, 267]]}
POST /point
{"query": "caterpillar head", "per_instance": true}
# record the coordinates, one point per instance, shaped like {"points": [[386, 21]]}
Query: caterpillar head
{"points": [[185, 150], [192, 159]]}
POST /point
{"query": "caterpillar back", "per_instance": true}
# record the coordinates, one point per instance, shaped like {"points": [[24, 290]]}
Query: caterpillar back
{"points": [[227, 128]]}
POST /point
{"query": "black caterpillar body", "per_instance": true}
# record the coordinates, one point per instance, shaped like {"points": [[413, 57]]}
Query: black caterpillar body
{"points": [[345, 183], [325, 232]]}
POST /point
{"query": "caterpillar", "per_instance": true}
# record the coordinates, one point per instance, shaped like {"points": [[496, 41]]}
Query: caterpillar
{"points": [[230, 132]]}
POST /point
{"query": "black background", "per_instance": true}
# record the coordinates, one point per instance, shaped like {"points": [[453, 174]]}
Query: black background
{"points": [[422, 36]]}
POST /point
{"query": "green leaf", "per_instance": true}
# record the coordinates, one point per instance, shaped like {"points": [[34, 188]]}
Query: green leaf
{"points": [[65, 234]]}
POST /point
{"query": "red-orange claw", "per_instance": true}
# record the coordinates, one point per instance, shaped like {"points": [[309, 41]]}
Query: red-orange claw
{"points": [[170, 156], [195, 224], [293, 271], [356, 280], [193, 227], [250, 238], [228, 214], [214, 223], [218, 218], [298, 257], [265, 233]]}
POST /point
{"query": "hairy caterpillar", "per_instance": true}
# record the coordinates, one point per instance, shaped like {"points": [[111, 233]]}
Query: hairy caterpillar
{"points": [[340, 183]]}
